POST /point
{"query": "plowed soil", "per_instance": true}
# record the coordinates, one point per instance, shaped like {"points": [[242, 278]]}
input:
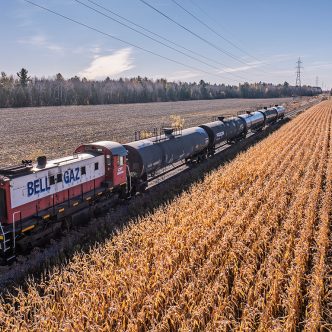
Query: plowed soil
{"points": [[26, 133]]}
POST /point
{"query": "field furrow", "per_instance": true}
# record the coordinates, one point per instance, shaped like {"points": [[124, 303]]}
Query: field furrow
{"points": [[314, 315]]}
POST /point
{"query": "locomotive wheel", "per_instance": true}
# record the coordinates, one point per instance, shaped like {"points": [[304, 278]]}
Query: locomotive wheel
{"points": [[96, 212], [67, 224], [133, 190], [124, 193]]}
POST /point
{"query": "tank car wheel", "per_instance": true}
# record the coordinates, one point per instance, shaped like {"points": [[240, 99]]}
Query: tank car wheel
{"points": [[202, 158], [124, 193], [142, 187], [133, 191]]}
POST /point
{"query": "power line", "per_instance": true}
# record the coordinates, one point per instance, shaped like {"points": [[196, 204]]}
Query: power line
{"points": [[213, 19], [142, 33], [214, 31], [194, 33], [116, 38], [149, 37], [155, 34], [265, 63]]}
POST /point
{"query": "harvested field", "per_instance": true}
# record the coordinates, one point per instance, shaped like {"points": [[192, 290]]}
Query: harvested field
{"points": [[57, 131], [247, 249]]}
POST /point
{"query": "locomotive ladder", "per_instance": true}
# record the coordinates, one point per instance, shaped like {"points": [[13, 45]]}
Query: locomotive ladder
{"points": [[8, 242], [5, 242]]}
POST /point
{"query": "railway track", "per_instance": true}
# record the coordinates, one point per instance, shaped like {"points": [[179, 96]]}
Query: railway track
{"points": [[30, 262]]}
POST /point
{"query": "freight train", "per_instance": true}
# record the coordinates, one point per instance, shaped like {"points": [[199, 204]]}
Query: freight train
{"points": [[36, 196]]}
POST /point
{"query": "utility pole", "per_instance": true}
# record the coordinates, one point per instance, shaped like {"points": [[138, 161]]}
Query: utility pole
{"points": [[317, 81], [298, 74]]}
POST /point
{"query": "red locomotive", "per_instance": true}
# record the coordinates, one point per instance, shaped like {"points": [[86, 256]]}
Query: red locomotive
{"points": [[31, 195]]}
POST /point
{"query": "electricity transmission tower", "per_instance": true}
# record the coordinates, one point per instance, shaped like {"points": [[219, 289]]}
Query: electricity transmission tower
{"points": [[298, 72], [317, 81], [298, 76]]}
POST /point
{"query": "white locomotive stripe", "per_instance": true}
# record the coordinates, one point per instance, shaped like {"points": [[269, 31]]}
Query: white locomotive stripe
{"points": [[34, 186]]}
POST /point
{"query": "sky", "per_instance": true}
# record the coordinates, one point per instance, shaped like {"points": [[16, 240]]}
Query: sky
{"points": [[218, 41]]}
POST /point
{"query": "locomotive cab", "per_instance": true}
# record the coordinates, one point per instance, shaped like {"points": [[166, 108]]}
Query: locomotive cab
{"points": [[115, 161]]}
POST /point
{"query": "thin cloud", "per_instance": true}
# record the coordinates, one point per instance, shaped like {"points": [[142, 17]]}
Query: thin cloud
{"points": [[23, 14], [182, 75], [282, 56], [250, 65], [41, 41], [319, 66], [109, 65], [95, 50], [282, 72], [272, 60]]}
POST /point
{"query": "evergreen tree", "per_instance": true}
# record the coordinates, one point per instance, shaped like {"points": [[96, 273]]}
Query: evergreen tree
{"points": [[23, 76]]}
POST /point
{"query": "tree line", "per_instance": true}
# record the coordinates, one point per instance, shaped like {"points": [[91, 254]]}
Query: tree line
{"points": [[23, 91]]}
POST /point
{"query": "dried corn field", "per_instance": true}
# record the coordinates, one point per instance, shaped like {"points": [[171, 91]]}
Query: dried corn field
{"points": [[247, 249]]}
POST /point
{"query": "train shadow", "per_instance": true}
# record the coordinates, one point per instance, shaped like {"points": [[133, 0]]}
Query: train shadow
{"points": [[98, 230]]}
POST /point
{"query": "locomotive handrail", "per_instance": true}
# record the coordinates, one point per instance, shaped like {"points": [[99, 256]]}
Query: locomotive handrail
{"points": [[14, 221], [129, 174]]}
